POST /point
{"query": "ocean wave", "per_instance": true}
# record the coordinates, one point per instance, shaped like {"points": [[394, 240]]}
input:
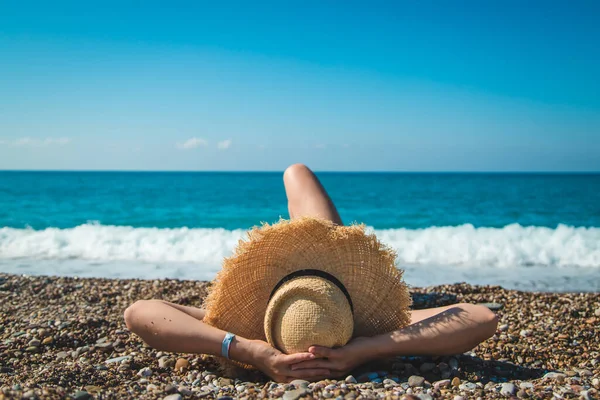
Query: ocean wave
{"points": [[466, 245]]}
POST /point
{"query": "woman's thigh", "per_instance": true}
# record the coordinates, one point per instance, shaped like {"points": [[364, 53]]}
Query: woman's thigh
{"points": [[306, 196]]}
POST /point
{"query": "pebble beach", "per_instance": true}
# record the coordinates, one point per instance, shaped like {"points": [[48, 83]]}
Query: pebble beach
{"points": [[65, 338]]}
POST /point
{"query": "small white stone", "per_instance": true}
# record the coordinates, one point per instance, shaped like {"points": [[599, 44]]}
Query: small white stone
{"points": [[526, 385], [185, 391], [151, 387], [145, 372], [507, 389]]}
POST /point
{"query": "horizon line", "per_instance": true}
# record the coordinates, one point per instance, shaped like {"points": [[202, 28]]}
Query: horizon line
{"points": [[557, 172]]}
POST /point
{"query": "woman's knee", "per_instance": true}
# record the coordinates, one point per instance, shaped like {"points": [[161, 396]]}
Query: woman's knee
{"points": [[295, 172]]}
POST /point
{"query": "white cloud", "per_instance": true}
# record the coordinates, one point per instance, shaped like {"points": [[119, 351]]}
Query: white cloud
{"points": [[225, 144], [35, 142], [191, 143]]}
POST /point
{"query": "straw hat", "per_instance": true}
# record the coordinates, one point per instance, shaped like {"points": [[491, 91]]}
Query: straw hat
{"points": [[308, 282]]}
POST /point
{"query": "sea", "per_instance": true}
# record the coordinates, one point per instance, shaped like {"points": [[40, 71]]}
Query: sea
{"points": [[531, 232]]}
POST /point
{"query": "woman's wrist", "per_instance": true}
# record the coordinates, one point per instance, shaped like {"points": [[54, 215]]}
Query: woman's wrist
{"points": [[381, 346], [242, 350]]}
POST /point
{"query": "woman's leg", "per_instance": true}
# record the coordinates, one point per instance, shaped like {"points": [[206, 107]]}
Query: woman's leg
{"points": [[306, 196]]}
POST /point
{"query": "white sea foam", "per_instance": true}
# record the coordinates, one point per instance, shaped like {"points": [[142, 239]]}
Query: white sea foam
{"points": [[566, 258]]}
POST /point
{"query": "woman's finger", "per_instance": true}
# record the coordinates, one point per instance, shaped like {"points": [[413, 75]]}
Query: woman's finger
{"points": [[296, 358], [318, 363], [321, 351]]}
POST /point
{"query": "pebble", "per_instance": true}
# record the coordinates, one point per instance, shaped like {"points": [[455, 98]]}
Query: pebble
{"points": [[166, 362], [174, 396], [294, 394], [170, 389], [444, 383], [416, 381], [145, 372], [82, 395], [223, 382], [467, 386], [458, 397], [597, 312], [455, 382], [300, 383], [526, 386], [105, 347], [181, 364], [117, 359], [560, 378], [585, 395], [28, 394], [350, 379], [151, 387], [508, 389], [61, 355], [525, 332]]}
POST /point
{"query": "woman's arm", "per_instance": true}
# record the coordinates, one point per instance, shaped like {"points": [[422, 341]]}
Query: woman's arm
{"points": [[174, 328], [442, 331], [195, 312], [452, 330]]}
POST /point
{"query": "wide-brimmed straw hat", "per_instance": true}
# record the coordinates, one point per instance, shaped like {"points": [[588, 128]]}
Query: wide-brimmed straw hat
{"points": [[308, 282]]}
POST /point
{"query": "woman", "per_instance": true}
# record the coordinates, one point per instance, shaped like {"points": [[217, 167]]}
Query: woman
{"points": [[437, 331]]}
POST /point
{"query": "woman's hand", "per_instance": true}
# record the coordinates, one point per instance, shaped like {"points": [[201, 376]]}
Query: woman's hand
{"points": [[338, 361], [279, 366]]}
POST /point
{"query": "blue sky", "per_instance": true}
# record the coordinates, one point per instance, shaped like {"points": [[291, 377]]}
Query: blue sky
{"points": [[408, 86]]}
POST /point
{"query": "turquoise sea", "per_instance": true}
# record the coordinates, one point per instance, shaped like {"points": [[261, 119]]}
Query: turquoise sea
{"points": [[525, 231]]}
